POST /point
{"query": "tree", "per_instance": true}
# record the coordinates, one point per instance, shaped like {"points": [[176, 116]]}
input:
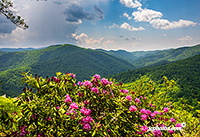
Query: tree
{"points": [[6, 10], [1, 83]]}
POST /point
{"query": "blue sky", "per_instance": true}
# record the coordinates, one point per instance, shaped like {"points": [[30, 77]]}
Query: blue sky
{"points": [[131, 25]]}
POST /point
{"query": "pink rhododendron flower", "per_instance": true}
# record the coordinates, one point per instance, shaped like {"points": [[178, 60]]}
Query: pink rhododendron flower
{"points": [[49, 118], [87, 84], [80, 83], [105, 91], [68, 99], [173, 120], [95, 89], [144, 117], [133, 108], [111, 83], [155, 112], [157, 133], [86, 102], [166, 109], [80, 94], [178, 125], [137, 100], [143, 111], [160, 118], [128, 97], [97, 76], [144, 98], [152, 115], [86, 127], [171, 131], [72, 75], [162, 125], [125, 91], [85, 111], [132, 92], [138, 132], [57, 107], [88, 119], [104, 82], [144, 128], [74, 106], [148, 112]]}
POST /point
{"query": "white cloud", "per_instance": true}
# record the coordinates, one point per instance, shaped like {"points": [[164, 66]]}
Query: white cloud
{"points": [[166, 25], [108, 42], [146, 15], [130, 3], [84, 39], [126, 15], [114, 26], [130, 28], [185, 39]]}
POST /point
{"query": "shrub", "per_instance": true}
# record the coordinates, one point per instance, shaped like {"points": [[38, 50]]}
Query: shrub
{"points": [[57, 106]]}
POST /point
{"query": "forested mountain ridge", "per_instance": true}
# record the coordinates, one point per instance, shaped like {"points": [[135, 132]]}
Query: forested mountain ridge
{"points": [[186, 72], [146, 58], [2, 52], [58, 58], [129, 56], [168, 55], [15, 49]]}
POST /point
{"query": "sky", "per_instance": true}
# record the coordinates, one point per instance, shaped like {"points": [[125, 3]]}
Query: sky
{"points": [[131, 25]]}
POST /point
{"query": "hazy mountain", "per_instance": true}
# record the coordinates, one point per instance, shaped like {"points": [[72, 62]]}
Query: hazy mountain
{"points": [[168, 55], [15, 49], [128, 56]]}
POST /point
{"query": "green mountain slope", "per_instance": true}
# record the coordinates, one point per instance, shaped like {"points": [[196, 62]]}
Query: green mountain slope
{"points": [[167, 55], [186, 72], [2, 52], [61, 58], [146, 58]]}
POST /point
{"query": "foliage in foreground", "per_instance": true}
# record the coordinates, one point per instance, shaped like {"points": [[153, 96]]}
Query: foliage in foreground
{"points": [[58, 107]]}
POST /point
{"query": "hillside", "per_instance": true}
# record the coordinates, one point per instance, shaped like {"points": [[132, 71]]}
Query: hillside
{"points": [[167, 55], [2, 52], [186, 72], [59, 58]]}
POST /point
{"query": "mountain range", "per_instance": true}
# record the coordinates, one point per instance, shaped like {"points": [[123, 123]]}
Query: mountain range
{"points": [[146, 58], [87, 62]]}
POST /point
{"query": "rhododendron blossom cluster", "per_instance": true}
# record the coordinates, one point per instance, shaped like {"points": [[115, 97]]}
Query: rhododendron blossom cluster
{"points": [[99, 107]]}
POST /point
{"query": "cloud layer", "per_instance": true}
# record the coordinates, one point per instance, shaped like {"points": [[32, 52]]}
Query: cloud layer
{"points": [[153, 17], [76, 13]]}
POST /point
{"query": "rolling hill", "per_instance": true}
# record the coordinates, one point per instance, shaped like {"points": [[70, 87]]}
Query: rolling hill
{"points": [[57, 58]]}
